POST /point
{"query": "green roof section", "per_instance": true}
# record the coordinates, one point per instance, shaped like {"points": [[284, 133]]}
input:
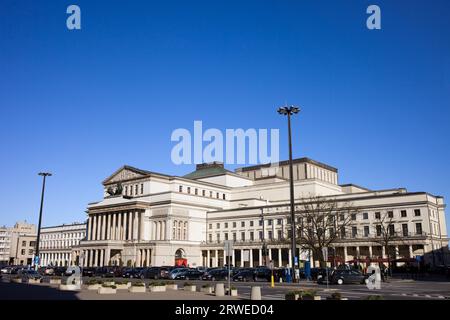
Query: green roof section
{"points": [[205, 170]]}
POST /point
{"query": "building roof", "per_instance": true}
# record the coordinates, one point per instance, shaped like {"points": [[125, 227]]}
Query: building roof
{"points": [[206, 170], [286, 162]]}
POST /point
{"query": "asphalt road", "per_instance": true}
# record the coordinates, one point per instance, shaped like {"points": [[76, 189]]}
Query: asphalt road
{"points": [[392, 290]]}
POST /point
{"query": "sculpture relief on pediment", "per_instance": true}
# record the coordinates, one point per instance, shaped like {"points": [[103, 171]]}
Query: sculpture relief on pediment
{"points": [[125, 175]]}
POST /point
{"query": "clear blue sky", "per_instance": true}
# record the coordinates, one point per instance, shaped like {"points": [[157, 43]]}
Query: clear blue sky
{"points": [[83, 103]]}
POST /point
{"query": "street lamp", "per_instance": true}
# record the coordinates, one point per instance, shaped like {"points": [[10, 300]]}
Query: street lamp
{"points": [[264, 246], [288, 111], [44, 175]]}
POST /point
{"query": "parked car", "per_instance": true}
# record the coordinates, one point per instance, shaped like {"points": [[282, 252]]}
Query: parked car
{"points": [[59, 271], [30, 274], [6, 270], [175, 272], [131, 272], [344, 276], [216, 274], [244, 275], [190, 274], [104, 272], [155, 273], [88, 272]]}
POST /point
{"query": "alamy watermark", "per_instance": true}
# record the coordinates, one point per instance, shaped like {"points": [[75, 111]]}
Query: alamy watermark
{"points": [[234, 146]]}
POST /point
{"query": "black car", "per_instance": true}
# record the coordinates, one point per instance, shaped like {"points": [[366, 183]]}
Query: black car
{"points": [[263, 274], [216, 274], [131, 273], [104, 272], [155, 273], [88, 272], [317, 273], [344, 276], [244, 275], [189, 275], [59, 271]]}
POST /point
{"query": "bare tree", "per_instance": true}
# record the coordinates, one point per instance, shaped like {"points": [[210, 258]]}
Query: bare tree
{"points": [[386, 234], [322, 222]]}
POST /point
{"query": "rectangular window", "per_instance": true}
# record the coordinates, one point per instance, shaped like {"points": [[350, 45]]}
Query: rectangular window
{"points": [[342, 232], [417, 212], [260, 223], [22, 252], [24, 243], [234, 224], [269, 235], [142, 188], [210, 225], [365, 216], [280, 234], [203, 193], [390, 214], [210, 237], [226, 225], [354, 232], [269, 222], [353, 216], [217, 195], [341, 217], [189, 190], [366, 231], [136, 190], [218, 226], [234, 236], [279, 221], [242, 223], [223, 196], [419, 228], [218, 237], [180, 189], [403, 213], [405, 229], [32, 243], [196, 191], [377, 215], [243, 236], [126, 190], [378, 231], [391, 229], [251, 223], [260, 235], [210, 194], [226, 236], [252, 236]]}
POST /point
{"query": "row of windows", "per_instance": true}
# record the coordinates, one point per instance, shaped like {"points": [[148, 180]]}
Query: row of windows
{"points": [[404, 231], [31, 243], [130, 190], [251, 223], [204, 193], [30, 252], [78, 235]]}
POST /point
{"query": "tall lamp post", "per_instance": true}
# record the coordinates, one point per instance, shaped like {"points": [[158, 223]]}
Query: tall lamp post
{"points": [[37, 260], [289, 111]]}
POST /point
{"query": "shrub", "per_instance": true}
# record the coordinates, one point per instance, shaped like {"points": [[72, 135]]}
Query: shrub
{"points": [[336, 296], [138, 284], [308, 293], [170, 282], [109, 286], [156, 283], [93, 281], [187, 284], [206, 285], [291, 294]]}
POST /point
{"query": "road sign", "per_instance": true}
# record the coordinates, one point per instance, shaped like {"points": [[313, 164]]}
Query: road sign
{"points": [[296, 260], [228, 247], [36, 260]]}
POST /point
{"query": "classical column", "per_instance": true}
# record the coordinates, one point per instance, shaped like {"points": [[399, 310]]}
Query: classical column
{"points": [[130, 225], [280, 261], [251, 258], [260, 257], [104, 227], [102, 261], [217, 258], [370, 251], [345, 254], [135, 226], [396, 252], [208, 259], [99, 227], [113, 227], [383, 251], [108, 226], [125, 226], [107, 256], [290, 257], [94, 227], [89, 223], [149, 258], [119, 226], [91, 258], [141, 225], [241, 263], [270, 254], [357, 251], [411, 252], [158, 230]]}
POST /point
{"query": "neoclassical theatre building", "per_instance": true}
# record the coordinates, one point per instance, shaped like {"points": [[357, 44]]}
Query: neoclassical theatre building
{"points": [[151, 219]]}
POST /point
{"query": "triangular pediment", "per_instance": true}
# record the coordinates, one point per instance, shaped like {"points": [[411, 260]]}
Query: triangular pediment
{"points": [[126, 173]]}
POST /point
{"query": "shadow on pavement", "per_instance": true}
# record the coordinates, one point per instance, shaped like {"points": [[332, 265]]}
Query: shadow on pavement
{"points": [[22, 291]]}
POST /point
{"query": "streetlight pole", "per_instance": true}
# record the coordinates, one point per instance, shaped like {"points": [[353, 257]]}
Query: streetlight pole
{"points": [[264, 246], [288, 111], [44, 175]]}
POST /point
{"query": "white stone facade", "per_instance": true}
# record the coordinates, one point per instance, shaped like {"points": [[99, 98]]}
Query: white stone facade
{"points": [[148, 218], [57, 243]]}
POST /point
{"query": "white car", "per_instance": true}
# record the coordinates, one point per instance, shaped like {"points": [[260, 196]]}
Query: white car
{"points": [[6, 270]]}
